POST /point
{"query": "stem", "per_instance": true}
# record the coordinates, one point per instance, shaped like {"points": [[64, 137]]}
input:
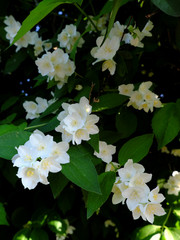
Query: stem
{"points": [[85, 14], [35, 126], [165, 221]]}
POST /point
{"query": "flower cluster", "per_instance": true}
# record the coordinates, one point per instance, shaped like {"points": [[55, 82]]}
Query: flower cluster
{"points": [[77, 122], [173, 183], [39, 156], [68, 37], [12, 28], [56, 65], [143, 98], [106, 50], [105, 152], [34, 109], [130, 186]]}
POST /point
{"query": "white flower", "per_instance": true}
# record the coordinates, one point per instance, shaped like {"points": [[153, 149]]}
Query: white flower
{"points": [[44, 65], [110, 65], [76, 123], [147, 28], [126, 89], [173, 184], [105, 152], [152, 209], [138, 212], [107, 50], [39, 156], [117, 193], [112, 166], [155, 196]]}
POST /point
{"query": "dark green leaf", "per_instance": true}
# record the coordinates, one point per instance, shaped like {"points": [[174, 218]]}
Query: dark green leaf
{"points": [[81, 170], [10, 140], [136, 148], [94, 142], [170, 7], [95, 201], [166, 124], [108, 101], [38, 234], [3, 220], [57, 183], [8, 103]]}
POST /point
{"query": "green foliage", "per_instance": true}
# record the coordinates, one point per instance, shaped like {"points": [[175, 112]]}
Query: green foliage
{"points": [[81, 170], [166, 124], [3, 220], [136, 148], [170, 7]]}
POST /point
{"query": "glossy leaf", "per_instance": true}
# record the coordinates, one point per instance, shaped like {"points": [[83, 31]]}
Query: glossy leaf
{"points": [[170, 7]]}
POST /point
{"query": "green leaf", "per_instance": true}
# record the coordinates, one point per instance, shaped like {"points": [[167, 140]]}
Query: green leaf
{"points": [[94, 142], [95, 201], [8, 103], [110, 137], [116, 5], [4, 128], [57, 225], [170, 7], [81, 170], [9, 118], [3, 220], [108, 101], [106, 9], [37, 14], [126, 122], [23, 234], [147, 232], [136, 148], [15, 61], [10, 140], [166, 124], [38, 234], [57, 183], [172, 234]]}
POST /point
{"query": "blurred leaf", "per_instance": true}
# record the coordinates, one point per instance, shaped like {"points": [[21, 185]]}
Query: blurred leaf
{"points": [[106, 9], [126, 123], [3, 220], [57, 225], [14, 61], [166, 124], [81, 170], [37, 14], [170, 7], [95, 201], [83, 93], [172, 233], [38, 234], [8, 119], [10, 140], [57, 183], [4, 128], [8, 103], [136, 148], [23, 234], [147, 232], [108, 101]]}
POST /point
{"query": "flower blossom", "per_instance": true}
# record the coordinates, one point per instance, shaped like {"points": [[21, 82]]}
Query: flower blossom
{"points": [[56, 65], [105, 152], [173, 183], [34, 109], [130, 187], [142, 98], [39, 156], [68, 37], [100, 23], [77, 122]]}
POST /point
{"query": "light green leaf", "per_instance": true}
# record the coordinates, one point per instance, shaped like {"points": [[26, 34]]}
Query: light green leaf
{"points": [[170, 7], [172, 234], [108, 101], [57, 183], [166, 124], [10, 140], [4, 128], [81, 170], [57, 225], [136, 148], [3, 220], [95, 201], [23, 234], [37, 14], [145, 233]]}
